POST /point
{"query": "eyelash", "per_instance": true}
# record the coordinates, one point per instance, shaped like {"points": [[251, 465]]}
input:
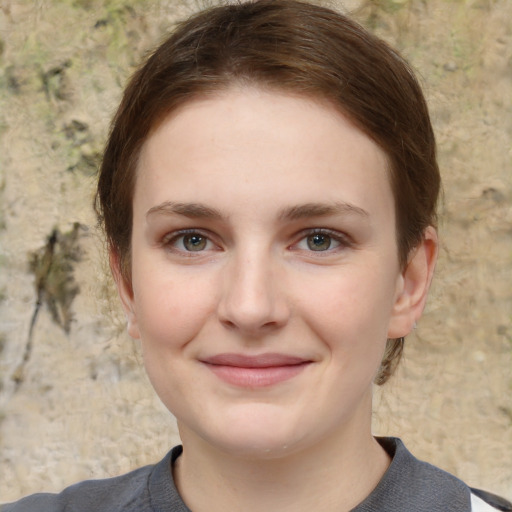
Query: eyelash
{"points": [[170, 241], [342, 240]]}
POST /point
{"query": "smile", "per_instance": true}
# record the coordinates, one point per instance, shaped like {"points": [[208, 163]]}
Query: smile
{"points": [[255, 371]]}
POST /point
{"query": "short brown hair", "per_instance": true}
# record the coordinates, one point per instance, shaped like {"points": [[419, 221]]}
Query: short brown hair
{"points": [[292, 46]]}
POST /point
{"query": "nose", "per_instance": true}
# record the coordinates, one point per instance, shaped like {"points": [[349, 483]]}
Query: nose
{"points": [[253, 301]]}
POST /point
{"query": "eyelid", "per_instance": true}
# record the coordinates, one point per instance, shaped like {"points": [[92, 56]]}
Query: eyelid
{"points": [[342, 238], [169, 239]]}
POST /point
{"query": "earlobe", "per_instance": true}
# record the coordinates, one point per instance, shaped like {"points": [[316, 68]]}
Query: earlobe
{"points": [[415, 283], [125, 291]]}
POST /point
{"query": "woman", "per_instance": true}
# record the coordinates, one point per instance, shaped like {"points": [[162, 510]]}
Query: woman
{"points": [[269, 195]]}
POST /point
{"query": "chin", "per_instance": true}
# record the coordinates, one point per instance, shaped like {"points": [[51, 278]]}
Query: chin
{"points": [[249, 434], [258, 448], [262, 440]]}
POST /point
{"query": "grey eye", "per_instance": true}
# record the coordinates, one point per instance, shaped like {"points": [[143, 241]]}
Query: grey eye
{"points": [[194, 242], [319, 242]]}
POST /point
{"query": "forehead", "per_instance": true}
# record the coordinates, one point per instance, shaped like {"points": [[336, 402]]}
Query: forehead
{"points": [[257, 142]]}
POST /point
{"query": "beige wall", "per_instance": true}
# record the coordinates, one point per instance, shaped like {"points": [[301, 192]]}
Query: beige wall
{"points": [[81, 406]]}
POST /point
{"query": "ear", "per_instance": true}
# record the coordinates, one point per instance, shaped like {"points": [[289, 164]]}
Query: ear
{"points": [[125, 290], [414, 285]]}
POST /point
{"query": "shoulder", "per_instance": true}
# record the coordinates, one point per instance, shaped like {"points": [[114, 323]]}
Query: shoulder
{"points": [[483, 501], [107, 494], [132, 492], [411, 484]]}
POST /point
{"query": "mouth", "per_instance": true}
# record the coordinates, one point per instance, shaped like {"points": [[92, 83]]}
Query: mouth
{"points": [[255, 371]]}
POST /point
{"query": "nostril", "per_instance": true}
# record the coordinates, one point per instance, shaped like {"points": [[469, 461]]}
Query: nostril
{"points": [[228, 324], [250, 329]]}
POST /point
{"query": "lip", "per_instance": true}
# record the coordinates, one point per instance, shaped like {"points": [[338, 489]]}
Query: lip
{"points": [[255, 371]]}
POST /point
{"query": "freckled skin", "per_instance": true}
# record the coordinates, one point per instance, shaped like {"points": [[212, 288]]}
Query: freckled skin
{"points": [[256, 283]]}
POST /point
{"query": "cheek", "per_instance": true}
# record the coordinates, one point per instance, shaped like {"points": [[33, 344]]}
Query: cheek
{"points": [[171, 309], [350, 311], [171, 312]]}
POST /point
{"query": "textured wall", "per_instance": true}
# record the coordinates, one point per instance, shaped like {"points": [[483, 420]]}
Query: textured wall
{"points": [[74, 401]]}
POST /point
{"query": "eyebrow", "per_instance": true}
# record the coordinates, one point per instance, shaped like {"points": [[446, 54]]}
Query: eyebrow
{"points": [[321, 210], [303, 211], [192, 210]]}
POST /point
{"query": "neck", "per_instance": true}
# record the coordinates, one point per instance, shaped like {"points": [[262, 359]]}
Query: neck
{"points": [[335, 475]]}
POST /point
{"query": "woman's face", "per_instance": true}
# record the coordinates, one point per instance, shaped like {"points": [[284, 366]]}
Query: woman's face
{"points": [[265, 275]]}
